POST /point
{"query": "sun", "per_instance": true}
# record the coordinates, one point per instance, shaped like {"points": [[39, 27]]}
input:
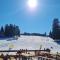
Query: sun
{"points": [[32, 3]]}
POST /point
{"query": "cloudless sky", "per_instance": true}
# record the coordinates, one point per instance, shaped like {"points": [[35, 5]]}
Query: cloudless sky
{"points": [[39, 21]]}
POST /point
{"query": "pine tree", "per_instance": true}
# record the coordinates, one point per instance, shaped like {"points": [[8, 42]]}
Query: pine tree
{"points": [[6, 30], [11, 30], [2, 32], [56, 29], [50, 34], [17, 31]]}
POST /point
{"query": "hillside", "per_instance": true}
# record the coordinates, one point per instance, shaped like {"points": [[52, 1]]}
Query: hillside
{"points": [[30, 42]]}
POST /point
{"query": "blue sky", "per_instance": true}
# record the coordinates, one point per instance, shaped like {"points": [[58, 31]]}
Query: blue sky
{"points": [[15, 12]]}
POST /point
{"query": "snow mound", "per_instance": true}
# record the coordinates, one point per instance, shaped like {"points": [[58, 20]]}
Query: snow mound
{"points": [[30, 42]]}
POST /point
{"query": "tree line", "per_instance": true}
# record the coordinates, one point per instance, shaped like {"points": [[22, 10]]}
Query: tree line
{"points": [[34, 34], [13, 30], [55, 31], [9, 31]]}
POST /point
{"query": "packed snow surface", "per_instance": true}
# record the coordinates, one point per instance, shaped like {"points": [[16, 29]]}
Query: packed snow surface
{"points": [[30, 42]]}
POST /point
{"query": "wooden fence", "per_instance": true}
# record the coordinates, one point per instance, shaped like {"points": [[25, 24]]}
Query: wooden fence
{"points": [[19, 56]]}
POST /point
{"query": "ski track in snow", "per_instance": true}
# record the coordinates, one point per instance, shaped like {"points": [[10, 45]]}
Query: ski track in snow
{"points": [[30, 42]]}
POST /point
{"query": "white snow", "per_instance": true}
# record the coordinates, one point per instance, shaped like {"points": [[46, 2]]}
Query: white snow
{"points": [[30, 42]]}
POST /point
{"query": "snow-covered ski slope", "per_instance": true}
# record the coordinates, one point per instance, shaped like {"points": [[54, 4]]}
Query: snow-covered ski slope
{"points": [[30, 42]]}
